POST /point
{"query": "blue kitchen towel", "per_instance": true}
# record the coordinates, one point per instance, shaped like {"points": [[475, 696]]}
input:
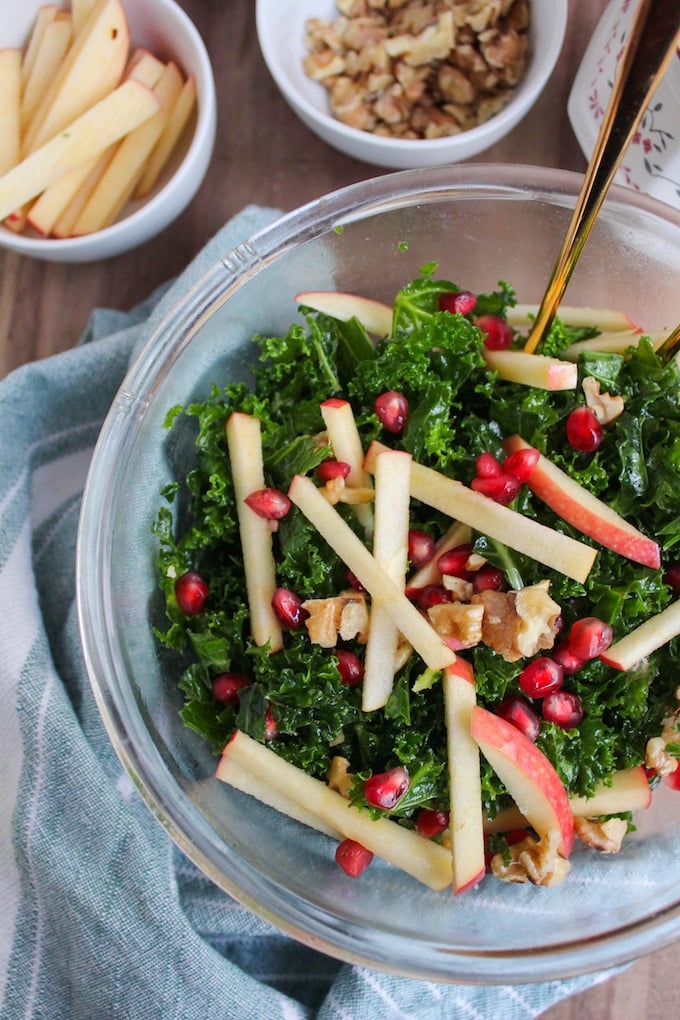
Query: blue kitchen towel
{"points": [[101, 917]]}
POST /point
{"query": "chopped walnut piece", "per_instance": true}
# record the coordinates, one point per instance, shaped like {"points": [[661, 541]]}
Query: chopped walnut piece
{"points": [[606, 836], [361, 32], [658, 758], [349, 106], [533, 860], [338, 776], [418, 68], [454, 86], [518, 624], [505, 51], [538, 615], [604, 406], [434, 42], [345, 616], [325, 64], [461, 590], [458, 620]]}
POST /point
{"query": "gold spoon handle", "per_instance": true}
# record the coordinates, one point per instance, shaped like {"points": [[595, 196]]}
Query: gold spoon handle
{"points": [[652, 40], [669, 346]]}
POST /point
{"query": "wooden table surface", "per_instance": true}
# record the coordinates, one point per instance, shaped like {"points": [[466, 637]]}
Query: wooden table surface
{"points": [[265, 155]]}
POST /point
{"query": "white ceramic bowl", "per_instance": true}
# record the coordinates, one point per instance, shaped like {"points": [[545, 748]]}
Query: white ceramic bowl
{"points": [[280, 27], [370, 238], [652, 162], [162, 27]]}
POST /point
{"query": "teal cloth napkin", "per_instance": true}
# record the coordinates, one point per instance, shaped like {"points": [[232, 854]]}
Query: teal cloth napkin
{"points": [[101, 917]]}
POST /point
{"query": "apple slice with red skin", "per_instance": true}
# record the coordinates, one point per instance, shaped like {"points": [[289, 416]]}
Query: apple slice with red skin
{"points": [[374, 316], [613, 343], [535, 370], [423, 859], [645, 639], [527, 774], [586, 512], [466, 821], [231, 772], [608, 320], [457, 501], [629, 790]]}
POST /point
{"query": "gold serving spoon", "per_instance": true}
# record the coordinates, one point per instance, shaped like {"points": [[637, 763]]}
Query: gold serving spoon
{"points": [[653, 38], [669, 346]]}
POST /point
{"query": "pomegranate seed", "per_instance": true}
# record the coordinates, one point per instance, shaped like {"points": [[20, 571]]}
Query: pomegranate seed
{"points": [[672, 780], [461, 302], [562, 708], [584, 432], [520, 713], [272, 504], [454, 561], [392, 410], [522, 462], [672, 577], [191, 591], [330, 469], [541, 676], [227, 686], [589, 637], [432, 595], [385, 789], [488, 578], [515, 836], [498, 333], [271, 731], [568, 660], [350, 667], [289, 609], [488, 466], [352, 857], [421, 548], [501, 489], [430, 822]]}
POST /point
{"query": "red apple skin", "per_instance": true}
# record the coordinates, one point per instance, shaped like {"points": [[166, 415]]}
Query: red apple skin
{"points": [[471, 883], [528, 763], [573, 504], [462, 668]]}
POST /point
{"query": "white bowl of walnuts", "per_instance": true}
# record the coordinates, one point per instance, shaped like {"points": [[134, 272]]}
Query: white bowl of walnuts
{"points": [[107, 127], [409, 85]]}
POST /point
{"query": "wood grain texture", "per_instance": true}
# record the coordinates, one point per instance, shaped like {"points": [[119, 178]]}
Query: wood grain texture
{"points": [[265, 155]]}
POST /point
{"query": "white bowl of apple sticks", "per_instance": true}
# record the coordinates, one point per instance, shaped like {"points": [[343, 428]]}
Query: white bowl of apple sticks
{"points": [[107, 125]]}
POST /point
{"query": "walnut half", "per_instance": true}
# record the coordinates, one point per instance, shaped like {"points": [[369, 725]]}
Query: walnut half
{"points": [[533, 860]]}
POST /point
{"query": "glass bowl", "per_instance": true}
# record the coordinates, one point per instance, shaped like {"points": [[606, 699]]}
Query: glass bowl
{"points": [[482, 224]]}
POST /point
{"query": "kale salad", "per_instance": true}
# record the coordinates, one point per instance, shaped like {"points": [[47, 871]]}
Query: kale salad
{"points": [[580, 445]]}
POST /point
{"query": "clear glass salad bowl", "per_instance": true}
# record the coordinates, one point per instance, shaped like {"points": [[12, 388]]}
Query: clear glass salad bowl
{"points": [[482, 224]]}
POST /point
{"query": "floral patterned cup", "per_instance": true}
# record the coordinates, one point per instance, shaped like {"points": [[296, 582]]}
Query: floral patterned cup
{"points": [[652, 162]]}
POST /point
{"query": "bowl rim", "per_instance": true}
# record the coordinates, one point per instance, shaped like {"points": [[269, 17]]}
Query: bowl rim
{"points": [[176, 192], [165, 798], [474, 138]]}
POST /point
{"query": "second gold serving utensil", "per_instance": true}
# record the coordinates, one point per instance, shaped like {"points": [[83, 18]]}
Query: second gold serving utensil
{"points": [[652, 40]]}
